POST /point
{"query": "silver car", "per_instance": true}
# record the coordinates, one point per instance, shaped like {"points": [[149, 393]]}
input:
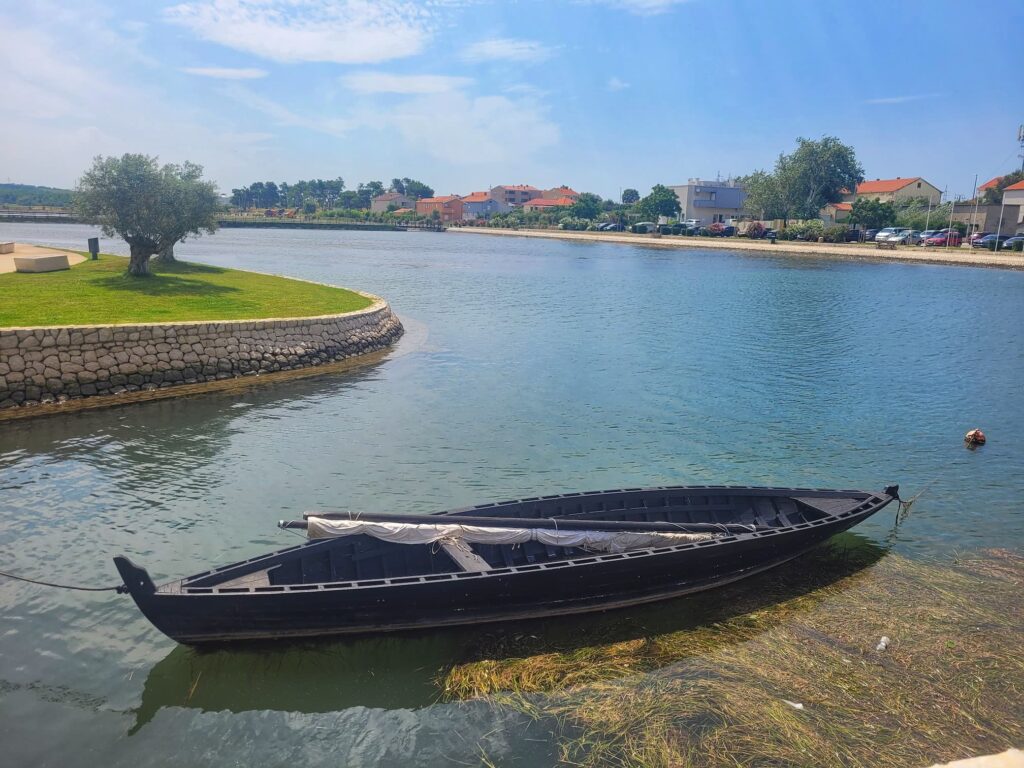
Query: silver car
{"points": [[885, 234], [906, 237]]}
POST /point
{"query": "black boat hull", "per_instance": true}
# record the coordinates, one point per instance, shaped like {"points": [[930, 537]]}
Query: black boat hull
{"points": [[592, 583]]}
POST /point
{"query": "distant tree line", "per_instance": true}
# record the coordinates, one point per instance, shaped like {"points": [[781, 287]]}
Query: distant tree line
{"points": [[29, 194], [322, 194]]}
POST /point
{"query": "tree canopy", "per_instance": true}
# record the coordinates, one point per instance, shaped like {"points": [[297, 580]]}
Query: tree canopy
{"points": [[587, 206], [872, 214], [630, 196], [28, 194], [803, 182], [149, 206], [268, 194], [417, 190], [662, 201]]}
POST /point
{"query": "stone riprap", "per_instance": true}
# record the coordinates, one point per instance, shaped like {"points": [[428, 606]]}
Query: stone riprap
{"points": [[45, 365]]}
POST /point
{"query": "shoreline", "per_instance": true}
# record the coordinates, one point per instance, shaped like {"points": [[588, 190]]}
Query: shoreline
{"points": [[964, 258]]}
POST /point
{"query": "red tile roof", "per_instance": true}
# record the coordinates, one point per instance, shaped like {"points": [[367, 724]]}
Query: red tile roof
{"points": [[389, 196], [445, 199], [842, 206], [990, 184], [1019, 186], [400, 211], [566, 190], [559, 202], [477, 197], [885, 185]]}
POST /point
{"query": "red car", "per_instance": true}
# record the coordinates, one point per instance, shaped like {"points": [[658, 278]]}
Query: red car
{"points": [[952, 239]]}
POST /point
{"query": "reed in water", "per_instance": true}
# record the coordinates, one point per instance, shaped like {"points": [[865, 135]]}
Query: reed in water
{"points": [[779, 673]]}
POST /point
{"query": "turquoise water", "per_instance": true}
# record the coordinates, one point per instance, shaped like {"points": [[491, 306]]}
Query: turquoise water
{"points": [[529, 367]]}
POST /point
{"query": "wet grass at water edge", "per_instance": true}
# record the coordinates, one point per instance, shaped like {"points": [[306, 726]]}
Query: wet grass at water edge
{"points": [[786, 670]]}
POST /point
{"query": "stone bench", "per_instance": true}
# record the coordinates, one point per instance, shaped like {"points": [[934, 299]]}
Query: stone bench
{"points": [[891, 245], [46, 263], [6, 247]]}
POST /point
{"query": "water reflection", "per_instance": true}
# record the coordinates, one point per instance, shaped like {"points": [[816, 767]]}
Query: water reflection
{"points": [[406, 670]]}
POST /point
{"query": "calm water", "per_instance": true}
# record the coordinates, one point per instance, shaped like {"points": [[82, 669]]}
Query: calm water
{"points": [[530, 367]]}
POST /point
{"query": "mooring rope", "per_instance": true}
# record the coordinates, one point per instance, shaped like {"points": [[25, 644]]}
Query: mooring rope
{"points": [[115, 588]]}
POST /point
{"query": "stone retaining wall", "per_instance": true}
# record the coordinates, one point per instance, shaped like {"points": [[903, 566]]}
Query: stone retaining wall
{"points": [[41, 365]]}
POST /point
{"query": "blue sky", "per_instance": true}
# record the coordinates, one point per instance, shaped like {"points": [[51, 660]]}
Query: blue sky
{"points": [[597, 94]]}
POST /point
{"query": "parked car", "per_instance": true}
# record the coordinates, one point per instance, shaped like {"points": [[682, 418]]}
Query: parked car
{"points": [[645, 227], [928, 233], [692, 223], [883, 234], [610, 226], [771, 234], [976, 237], [906, 237], [853, 236], [952, 239], [984, 242], [1008, 245], [729, 231], [869, 234]]}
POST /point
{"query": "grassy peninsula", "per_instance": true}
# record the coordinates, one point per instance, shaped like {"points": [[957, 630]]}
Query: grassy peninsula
{"points": [[100, 292]]}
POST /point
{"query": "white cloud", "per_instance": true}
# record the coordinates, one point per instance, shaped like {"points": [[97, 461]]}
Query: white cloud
{"points": [[615, 84], [344, 32], [384, 82], [227, 73], [506, 49], [901, 99], [462, 130], [282, 115], [77, 106], [642, 7]]}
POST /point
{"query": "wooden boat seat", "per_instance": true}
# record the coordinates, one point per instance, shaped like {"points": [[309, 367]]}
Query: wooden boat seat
{"points": [[467, 559]]}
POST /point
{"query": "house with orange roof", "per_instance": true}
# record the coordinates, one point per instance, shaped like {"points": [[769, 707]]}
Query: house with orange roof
{"points": [[515, 194], [448, 208], [547, 204], [834, 213], [990, 184], [891, 190], [480, 205], [563, 191], [1013, 196], [392, 200]]}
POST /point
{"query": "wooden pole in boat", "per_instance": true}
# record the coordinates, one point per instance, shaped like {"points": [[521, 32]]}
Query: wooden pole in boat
{"points": [[556, 523]]}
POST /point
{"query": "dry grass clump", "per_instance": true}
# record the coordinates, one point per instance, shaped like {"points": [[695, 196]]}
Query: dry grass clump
{"points": [[950, 684]]}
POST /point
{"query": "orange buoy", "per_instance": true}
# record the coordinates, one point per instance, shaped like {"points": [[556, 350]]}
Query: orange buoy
{"points": [[975, 437]]}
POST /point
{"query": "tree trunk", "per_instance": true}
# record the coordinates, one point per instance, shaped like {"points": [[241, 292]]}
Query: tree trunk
{"points": [[166, 256], [138, 264]]}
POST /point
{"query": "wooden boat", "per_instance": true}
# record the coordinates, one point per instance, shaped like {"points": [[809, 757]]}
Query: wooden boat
{"points": [[666, 542]]}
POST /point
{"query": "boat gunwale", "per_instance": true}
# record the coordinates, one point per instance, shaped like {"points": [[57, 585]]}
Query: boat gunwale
{"points": [[868, 504]]}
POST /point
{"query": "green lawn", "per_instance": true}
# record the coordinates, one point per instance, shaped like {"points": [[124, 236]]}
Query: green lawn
{"points": [[96, 292]]}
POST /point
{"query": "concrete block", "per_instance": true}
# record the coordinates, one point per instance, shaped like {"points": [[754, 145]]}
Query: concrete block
{"points": [[48, 263]]}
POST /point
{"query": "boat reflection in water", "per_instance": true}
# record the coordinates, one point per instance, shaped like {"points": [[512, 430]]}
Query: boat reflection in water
{"points": [[406, 670]]}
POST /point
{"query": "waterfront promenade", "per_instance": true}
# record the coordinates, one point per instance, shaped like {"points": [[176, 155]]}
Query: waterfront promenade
{"points": [[912, 254]]}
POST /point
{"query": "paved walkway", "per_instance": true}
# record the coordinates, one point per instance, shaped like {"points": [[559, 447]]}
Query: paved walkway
{"points": [[972, 257], [21, 249]]}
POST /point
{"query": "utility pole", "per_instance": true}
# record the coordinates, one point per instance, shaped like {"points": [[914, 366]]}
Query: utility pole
{"points": [[1020, 140]]}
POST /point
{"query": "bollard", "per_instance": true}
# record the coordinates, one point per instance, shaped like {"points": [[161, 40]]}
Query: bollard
{"points": [[94, 248]]}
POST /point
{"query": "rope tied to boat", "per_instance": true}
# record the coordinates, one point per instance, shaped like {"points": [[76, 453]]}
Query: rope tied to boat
{"points": [[119, 588]]}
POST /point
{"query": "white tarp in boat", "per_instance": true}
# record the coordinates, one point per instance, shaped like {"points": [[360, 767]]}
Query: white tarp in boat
{"points": [[427, 533]]}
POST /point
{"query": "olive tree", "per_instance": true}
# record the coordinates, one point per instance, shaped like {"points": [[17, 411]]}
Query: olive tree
{"points": [[151, 207]]}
